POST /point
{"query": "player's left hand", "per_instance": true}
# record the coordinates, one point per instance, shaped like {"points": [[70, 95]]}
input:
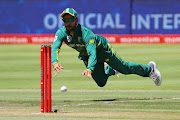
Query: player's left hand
{"points": [[87, 73]]}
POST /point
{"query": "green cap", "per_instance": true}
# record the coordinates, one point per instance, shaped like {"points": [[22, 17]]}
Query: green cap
{"points": [[70, 11]]}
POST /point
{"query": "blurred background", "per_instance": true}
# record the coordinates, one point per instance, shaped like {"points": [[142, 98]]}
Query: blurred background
{"points": [[102, 16], [112, 18]]}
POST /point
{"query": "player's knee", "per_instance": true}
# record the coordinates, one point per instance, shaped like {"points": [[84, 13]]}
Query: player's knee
{"points": [[101, 85], [100, 81]]}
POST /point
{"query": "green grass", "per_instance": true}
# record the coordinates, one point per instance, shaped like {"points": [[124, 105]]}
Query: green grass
{"points": [[127, 97]]}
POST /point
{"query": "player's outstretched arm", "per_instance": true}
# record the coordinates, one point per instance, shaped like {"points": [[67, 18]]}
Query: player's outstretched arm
{"points": [[57, 67]]}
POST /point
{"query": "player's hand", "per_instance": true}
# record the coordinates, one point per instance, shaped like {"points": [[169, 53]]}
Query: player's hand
{"points": [[57, 67], [87, 73]]}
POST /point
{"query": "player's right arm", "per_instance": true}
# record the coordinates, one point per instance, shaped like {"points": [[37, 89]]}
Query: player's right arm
{"points": [[55, 52]]}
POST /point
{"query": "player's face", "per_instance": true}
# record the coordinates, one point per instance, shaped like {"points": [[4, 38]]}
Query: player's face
{"points": [[70, 22]]}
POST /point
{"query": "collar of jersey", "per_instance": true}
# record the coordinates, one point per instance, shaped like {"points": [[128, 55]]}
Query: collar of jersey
{"points": [[77, 33]]}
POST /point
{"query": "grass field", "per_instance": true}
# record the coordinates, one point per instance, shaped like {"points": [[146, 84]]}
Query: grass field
{"points": [[128, 97]]}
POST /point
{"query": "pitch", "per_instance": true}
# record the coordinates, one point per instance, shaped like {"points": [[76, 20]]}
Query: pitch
{"points": [[126, 97]]}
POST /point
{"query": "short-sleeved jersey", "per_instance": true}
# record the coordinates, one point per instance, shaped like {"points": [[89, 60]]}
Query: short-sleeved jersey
{"points": [[83, 40]]}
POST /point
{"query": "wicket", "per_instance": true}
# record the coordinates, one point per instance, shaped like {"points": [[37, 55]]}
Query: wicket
{"points": [[45, 78]]}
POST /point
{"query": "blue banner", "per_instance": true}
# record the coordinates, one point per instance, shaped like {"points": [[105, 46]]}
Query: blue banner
{"points": [[155, 16], [101, 16]]}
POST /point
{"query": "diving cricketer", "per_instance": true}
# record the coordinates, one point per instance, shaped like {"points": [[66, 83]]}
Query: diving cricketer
{"points": [[95, 50]]}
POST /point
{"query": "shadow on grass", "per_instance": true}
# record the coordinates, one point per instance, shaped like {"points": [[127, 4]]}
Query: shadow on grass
{"points": [[119, 99], [114, 99], [105, 100]]}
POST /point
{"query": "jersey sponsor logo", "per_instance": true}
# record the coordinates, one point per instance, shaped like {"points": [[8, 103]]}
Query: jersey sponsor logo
{"points": [[55, 38], [91, 41], [69, 38], [76, 45]]}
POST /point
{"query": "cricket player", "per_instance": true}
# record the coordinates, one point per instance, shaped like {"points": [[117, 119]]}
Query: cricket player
{"points": [[95, 50]]}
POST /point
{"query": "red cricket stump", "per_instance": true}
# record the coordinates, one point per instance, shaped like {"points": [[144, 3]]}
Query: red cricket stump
{"points": [[46, 78], [49, 79], [42, 78]]}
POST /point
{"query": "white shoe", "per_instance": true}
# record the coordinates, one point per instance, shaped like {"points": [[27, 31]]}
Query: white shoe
{"points": [[116, 72], [155, 75]]}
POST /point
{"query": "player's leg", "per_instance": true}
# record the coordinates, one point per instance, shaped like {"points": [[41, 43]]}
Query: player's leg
{"points": [[117, 63], [109, 70], [98, 74], [129, 67]]}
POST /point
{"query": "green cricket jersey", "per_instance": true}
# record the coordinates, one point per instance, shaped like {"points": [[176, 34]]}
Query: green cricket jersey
{"points": [[83, 40]]}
